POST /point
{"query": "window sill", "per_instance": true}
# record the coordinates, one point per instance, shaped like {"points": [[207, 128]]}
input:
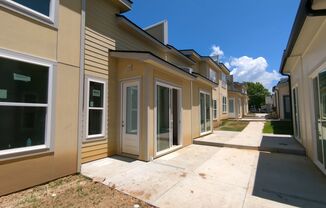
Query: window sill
{"points": [[95, 139], [23, 153], [30, 14]]}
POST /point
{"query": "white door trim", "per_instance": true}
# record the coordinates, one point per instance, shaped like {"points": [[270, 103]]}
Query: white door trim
{"points": [[123, 135], [180, 110]]}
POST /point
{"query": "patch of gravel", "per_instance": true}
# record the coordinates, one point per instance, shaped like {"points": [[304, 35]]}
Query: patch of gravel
{"points": [[71, 191]]}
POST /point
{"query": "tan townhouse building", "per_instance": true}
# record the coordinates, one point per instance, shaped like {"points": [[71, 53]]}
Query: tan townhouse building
{"points": [[282, 99], [39, 86], [304, 60], [238, 99], [80, 82], [216, 72]]}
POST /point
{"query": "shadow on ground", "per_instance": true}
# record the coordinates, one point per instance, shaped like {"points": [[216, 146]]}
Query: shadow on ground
{"points": [[289, 179], [281, 144]]}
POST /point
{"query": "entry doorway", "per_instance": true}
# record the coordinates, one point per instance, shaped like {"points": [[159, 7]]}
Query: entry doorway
{"points": [[287, 107], [130, 117], [205, 113], [239, 108], [231, 108], [168, 117]]}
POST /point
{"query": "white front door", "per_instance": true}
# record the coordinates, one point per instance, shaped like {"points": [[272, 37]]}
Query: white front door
{"points": [[231, 108], [130, 117]]}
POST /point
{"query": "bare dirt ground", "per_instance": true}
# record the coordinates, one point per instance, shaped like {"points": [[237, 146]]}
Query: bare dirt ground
{"points": [[71, 191]]}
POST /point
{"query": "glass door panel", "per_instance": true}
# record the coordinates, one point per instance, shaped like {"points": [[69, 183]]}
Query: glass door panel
{"points": [[202, 113], [205, 112], [322, 116], [163, 118], [318, 122], [208, 113], [132, 110]]}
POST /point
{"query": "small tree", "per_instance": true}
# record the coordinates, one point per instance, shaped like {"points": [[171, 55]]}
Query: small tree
{"points": [[257, 93]]}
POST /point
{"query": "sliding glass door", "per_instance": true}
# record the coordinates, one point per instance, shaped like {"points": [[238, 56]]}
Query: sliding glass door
{"points": [[319, 89], [168, 110], [205, 112]]}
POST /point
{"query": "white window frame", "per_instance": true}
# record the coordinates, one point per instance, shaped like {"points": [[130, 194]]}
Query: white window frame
{"points": [[212, 75], [104, 108], [224, 104], [51, 19], [48, 141], [215, 112]]}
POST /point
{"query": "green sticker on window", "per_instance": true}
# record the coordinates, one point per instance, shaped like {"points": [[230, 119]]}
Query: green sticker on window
{"points": [[3, 94], [20, 77], [97, 93]]}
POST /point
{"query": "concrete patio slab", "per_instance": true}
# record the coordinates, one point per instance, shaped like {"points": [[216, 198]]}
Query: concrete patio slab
{"points": [[197, 191], [252, 138], [216, 177]]}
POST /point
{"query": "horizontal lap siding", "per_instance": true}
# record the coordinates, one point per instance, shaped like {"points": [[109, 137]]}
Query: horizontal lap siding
{"points": [[96, 63]]}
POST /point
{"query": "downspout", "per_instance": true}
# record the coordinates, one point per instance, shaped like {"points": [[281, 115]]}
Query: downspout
{"points": [[81, 86]]}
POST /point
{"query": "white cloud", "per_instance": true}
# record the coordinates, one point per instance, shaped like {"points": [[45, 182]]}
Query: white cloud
{"points": [[216, 51], [253, 70]]}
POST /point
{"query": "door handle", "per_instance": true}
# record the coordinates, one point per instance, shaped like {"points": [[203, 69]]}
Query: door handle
{"points": [[123, 124]]}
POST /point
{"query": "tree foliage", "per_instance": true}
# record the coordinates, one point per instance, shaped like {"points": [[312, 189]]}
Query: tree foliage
{"points": [[257, 93]]}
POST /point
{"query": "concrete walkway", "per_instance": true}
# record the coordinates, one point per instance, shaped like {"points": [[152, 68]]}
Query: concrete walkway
{"points": [[206, 176], [253, 138]]}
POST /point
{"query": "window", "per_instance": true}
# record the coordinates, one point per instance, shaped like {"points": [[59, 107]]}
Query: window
{"points": [[224, 82], [25, 103], [215, 109], [40, 9], [212, 75], [95, 126], [224, 104]]}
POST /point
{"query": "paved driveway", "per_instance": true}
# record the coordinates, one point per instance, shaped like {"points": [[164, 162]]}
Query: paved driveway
{"points": [[206, 176]]}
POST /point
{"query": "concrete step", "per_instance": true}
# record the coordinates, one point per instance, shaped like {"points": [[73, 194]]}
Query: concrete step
{"points": [[280, 148]]}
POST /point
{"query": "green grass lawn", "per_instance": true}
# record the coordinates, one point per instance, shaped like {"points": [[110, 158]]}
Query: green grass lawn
{"points": [[233, 125], [278, 127]]}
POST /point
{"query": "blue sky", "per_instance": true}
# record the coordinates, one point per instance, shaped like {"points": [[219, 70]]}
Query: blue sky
{"points": [[249, 35]]}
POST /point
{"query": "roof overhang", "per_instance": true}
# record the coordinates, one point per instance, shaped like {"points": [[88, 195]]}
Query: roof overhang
{"points": [[306, 24], [124, 21], [204, 80], [124, 5], [150, 58]]}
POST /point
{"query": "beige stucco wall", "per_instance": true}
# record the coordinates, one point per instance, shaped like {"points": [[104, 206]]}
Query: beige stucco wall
{"points": [[303, 69], [62, 45]]}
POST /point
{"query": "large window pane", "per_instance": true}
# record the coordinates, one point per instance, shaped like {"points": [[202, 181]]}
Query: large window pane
{"points": [[23, 82], [95, 122], [96, 94], [41, 6], [21, 127], [132, 110]]}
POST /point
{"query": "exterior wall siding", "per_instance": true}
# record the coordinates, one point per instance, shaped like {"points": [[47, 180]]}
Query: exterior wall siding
{"points": [[61, 45]]}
